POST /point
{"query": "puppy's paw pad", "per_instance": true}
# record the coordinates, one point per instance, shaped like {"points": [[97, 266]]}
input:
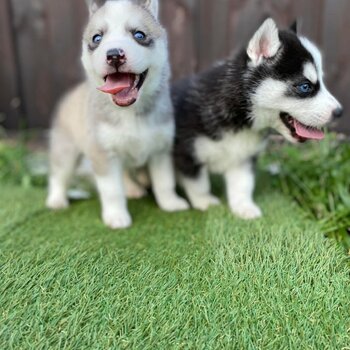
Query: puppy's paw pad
{"points": [[247, 211], [174, 204], [117, 220], [56, 203], [203, 203]]}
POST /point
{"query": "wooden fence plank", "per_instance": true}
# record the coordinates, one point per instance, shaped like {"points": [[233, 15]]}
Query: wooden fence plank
{"points": [[64, 42], [240, 28], [48, 36], [336, 31], [178, 18], [34, 58], [10, 107], [310, 14], [212, 32]]}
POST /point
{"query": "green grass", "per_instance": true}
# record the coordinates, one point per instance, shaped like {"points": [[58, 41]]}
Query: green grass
{"points": [[174, 281], [182, 281], [12, 164], [317, 176]]}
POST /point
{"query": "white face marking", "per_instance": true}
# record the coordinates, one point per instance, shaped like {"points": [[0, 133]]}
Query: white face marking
{"points": [[325, 96], [315, 111], [271, 98], [310, 72], [315, 53], [117, 19]]}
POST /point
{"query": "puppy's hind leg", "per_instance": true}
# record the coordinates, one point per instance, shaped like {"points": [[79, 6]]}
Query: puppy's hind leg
{"points": [[198, 190], [142, 177], [63, 159], [132, 188]]}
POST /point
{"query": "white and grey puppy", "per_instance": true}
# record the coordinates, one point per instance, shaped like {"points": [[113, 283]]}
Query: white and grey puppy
{"points": [[121, 117], [221, 115]]}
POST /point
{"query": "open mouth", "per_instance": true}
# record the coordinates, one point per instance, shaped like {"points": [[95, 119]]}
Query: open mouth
{"points": [[299, 131], [124, 87]]}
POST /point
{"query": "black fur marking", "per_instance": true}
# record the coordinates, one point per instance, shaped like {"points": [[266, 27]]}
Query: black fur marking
{"points": [[208, 105], [294, 27], [289, 63], [148, 42], [293, 58], [92, 47]]}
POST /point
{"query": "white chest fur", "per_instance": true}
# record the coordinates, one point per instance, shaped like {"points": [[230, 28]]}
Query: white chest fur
{"points": [[135, 139], [231, 150]]}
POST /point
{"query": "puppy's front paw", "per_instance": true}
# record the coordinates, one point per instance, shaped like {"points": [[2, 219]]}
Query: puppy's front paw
{"points": [[246, 210], [203, 202], [117, 219], [174, 204], [57, 203]]}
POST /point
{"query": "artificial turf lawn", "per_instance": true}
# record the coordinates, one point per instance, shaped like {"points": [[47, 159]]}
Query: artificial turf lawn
{"points": [[173, 281]]}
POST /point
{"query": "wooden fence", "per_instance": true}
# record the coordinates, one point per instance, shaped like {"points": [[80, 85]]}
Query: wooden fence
{"points": [[40, 45]]}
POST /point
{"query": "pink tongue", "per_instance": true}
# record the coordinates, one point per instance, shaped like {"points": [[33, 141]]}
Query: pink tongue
{"points": [[308, 132], [116, 83]]}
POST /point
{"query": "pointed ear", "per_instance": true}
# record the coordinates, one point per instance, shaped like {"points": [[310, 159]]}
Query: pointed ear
{"points": [[94, 5], [265, 42], [294, 27], [151, 5]]}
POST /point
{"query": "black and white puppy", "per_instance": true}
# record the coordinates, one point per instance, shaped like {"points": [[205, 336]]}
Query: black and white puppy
{"points": [[276, 83]]}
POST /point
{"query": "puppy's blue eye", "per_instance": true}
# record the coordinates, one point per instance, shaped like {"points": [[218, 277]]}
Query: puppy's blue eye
{"points": [[97, 39], [305, 88], [140, 36]]}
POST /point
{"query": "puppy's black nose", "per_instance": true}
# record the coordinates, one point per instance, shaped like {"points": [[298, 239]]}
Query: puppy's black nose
{"points": [[116, 57], [337, 113]]}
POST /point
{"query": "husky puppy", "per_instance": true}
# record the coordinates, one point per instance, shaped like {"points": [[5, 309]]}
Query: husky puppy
{"points": [[121, 117], [276, 83]]}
